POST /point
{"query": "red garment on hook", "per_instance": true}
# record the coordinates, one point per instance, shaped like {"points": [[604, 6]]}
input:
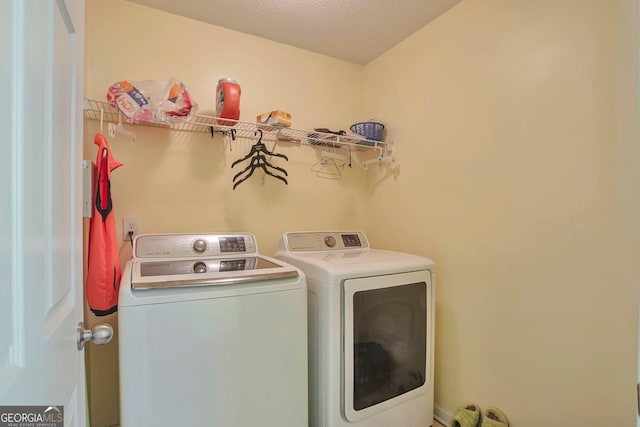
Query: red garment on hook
{"points": [[103, 271]]}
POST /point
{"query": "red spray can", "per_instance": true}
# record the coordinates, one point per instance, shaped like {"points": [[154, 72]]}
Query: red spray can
{"points": [[227, 101]]}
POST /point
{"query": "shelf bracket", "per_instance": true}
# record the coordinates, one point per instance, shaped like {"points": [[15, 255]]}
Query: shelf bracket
{"points": [[382, 158]]}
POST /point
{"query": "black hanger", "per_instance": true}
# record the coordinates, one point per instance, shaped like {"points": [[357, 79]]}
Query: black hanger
{"points": [[259, 147], [263, 166], [259, 160]]}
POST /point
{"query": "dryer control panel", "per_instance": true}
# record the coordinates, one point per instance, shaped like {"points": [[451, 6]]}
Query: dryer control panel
{"points": [[325, 241]]}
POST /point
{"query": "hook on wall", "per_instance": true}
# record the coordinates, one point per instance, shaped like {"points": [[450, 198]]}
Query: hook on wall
{"points": [[119, 128], [228, 132]]}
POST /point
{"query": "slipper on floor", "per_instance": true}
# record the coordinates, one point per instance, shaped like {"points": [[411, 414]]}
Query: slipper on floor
{"points": [[493, 417], [466, 416]]}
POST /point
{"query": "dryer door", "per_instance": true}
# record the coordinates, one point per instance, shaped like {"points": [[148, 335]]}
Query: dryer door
{"points": [[387, 342]]}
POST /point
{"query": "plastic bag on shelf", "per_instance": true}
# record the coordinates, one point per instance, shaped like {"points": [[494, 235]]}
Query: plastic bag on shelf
{"points": [[160, 101]]}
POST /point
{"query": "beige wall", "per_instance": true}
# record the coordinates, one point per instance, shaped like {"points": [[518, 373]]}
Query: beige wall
{"points": [[182, 182], [192, 174], [516, 134]]}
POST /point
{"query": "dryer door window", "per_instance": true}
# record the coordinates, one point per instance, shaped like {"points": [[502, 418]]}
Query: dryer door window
{"points": [[386, 338]]}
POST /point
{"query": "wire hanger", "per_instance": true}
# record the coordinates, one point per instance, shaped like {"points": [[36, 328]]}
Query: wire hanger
{"points": [[327, 167]]}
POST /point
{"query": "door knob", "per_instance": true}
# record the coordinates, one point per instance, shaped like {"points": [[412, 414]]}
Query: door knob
{"points": [[99, 334]]}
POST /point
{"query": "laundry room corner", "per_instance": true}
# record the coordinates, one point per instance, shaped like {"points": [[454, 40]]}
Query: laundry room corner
{"points": [[177, 182], [519, 129]]}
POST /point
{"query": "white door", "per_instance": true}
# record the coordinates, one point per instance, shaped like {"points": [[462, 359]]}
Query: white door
{"points": [[41, 74]]}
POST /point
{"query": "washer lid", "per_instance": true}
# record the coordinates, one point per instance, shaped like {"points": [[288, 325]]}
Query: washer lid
{"points": [[172, 273]]}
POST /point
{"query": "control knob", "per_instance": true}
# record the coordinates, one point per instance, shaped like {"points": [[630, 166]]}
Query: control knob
{"points": [[199, 267], [330, 241], [200, 245]]}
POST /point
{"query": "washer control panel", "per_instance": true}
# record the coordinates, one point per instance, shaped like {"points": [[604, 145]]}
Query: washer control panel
{"points": [[193, 245], [325, 241]]}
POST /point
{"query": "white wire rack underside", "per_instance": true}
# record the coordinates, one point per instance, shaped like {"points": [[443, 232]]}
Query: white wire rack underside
{"points": [[99, 110]]}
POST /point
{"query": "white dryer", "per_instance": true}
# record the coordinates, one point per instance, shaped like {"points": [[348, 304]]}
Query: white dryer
{"points": [[371, 331], [211, 333]]}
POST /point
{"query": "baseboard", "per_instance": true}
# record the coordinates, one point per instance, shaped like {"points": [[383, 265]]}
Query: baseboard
{"points": [[441, 415]]}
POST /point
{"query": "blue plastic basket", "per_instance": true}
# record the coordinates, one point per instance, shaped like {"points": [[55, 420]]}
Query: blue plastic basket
{"points": [[370, 130]]}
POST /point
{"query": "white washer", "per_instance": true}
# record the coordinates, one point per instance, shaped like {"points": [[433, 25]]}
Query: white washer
{"points": [[211, 333], [371, 331]]}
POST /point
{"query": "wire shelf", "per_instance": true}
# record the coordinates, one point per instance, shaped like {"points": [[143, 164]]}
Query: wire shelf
{"points": [[99, 110]]}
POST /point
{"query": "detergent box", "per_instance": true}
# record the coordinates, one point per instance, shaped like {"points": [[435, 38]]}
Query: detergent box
{"points": [[275, 118]]}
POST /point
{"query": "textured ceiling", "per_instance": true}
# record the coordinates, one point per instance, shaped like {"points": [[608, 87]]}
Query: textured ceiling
{"points": [[353, 30]]}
